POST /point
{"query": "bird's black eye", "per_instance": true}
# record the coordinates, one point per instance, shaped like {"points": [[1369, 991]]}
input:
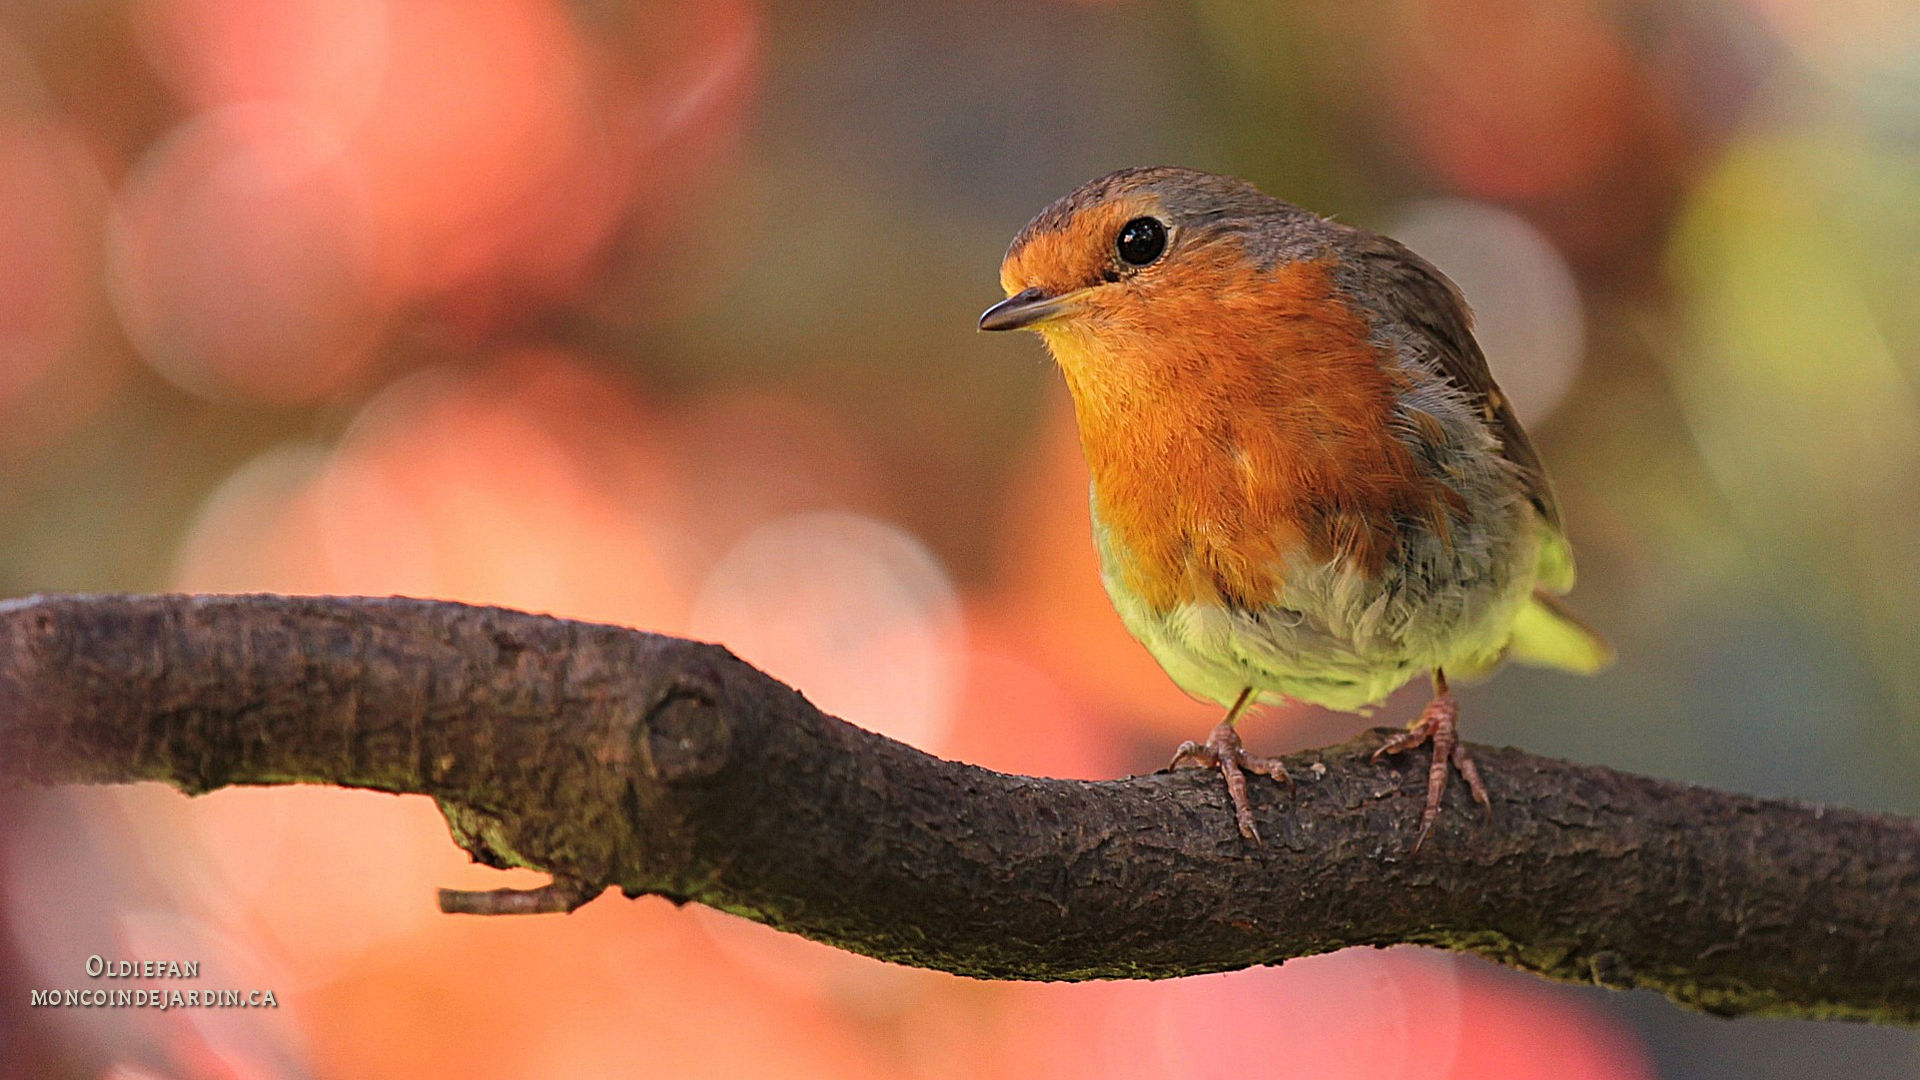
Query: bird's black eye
{"points": [[1141, 241]]}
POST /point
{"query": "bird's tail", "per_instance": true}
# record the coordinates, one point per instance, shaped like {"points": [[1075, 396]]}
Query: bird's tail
{"points": [[1546, 634]]}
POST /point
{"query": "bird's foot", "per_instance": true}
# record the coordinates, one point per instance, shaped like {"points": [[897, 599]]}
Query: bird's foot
{"points": [[1439, 722], [1223, 751]]}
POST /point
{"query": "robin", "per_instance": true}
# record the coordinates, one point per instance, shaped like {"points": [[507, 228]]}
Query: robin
{"points": [[1305, 482]]}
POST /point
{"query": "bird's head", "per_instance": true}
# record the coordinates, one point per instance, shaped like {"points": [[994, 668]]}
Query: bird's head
{"points": [[1137, 253]]}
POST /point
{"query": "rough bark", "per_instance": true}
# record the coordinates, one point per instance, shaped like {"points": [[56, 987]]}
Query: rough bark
{"points": [[610, 757]]}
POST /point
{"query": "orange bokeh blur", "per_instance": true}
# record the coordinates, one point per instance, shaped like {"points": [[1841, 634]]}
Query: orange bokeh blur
{"points": [[343, 164], [49, 244], [1363, 1014], [518, 482], [243, 257]]}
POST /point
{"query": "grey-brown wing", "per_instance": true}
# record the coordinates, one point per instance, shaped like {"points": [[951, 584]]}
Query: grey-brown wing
{"points": [[1411, 291]]}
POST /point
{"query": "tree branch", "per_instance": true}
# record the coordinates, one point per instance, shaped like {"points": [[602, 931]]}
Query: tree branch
{"points": [[607, 756]]}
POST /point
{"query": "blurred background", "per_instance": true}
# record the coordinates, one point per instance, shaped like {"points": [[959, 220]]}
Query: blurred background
{"points": [[661, 312]]}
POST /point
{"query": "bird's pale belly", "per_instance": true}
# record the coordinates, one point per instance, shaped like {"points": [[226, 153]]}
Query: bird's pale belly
{"points": [[1337, 637]]}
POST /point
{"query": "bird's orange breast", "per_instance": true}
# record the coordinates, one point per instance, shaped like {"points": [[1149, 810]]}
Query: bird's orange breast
{"points": [[1234, 420]]}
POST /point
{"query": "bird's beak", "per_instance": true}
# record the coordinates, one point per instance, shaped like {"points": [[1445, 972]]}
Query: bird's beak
{"points": [[1029, 308]]}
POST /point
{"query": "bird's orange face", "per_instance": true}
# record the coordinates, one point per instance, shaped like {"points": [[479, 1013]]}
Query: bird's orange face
{"points": [[1111, 269], [1080, 256], [1121, 283]]}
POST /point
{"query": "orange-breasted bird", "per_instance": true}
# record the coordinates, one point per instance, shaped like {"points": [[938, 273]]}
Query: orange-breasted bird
{"points": [[1305, 482]]}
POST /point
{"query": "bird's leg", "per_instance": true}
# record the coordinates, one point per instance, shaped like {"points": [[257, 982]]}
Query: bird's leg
{"points": [[1223, 751], [1440, 722]]}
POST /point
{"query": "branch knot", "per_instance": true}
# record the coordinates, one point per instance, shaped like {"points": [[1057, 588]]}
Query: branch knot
{"points": [[685, 737]]}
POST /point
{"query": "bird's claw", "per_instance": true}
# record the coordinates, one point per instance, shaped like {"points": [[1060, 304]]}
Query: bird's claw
{"points": [[1439, 723], [1223, 751]]}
